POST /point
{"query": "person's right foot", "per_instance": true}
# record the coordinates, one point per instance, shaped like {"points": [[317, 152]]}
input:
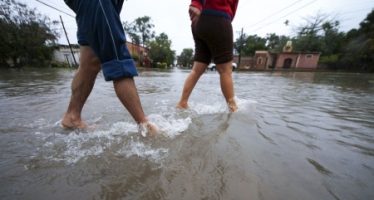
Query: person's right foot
{"points": [[148, 129], [181, 105], [232, 105], [69, 122]]}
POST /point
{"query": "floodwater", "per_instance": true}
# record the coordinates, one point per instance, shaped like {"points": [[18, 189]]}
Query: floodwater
{"points": [[297, 135]]}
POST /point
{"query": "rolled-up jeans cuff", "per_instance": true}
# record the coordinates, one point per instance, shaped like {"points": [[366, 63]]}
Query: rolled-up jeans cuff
{"points": [[117, 69]]}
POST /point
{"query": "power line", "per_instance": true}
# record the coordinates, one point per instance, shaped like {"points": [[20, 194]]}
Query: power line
{"points": [[354, 11], [55, 8], [346, 26], [67, 28], [293, 11], [279, 11], [357, 18], [355, 3]]}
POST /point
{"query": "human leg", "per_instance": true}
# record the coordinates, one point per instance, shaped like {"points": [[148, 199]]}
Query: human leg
{"points": [[221, 47], [201, 58], [227, 85], [197, 70], [128, 95], [81, 88], [99, 25]]}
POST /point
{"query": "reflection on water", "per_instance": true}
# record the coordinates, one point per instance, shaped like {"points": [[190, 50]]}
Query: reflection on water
{"points": [[295, 136]]}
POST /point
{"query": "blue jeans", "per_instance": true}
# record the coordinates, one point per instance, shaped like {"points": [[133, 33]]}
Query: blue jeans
{"points": [[99, 26]]}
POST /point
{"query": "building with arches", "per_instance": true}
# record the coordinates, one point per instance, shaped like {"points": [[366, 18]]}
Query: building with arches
{"points": [[264, 60]]}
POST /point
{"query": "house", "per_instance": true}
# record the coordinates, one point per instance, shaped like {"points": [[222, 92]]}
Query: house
{"points": [[139, 54], [63, 54], [246, 62], [264, 60], [296, 60]]}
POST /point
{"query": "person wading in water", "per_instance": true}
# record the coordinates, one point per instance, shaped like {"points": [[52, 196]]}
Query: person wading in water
{"points": [[213, 36], [103, 46]]}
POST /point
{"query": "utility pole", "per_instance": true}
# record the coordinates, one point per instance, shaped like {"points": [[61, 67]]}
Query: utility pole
{"points": [[67, 38], [241, 44]]}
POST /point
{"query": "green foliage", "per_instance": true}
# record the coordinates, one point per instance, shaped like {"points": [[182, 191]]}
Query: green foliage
{"points": [[185, 58], [160, 50], [358, 53], [130, 31], [329, 59], [319, 34], [55, 64], [140, 30], [27, 38], [276, 43], [332, 39], [253, 43], [240, 43], [161, 65], [309, 35], [247, 45]]}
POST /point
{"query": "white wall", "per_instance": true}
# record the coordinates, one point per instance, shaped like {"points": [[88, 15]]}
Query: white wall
{"points": [[63, 55]]}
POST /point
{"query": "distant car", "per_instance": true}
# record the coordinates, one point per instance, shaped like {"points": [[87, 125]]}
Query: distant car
{"points": [[212, 66]]}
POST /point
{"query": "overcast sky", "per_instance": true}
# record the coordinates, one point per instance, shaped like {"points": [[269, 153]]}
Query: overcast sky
{"points": [[255, 17]]}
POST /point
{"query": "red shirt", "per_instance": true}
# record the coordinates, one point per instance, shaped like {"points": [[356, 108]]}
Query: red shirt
{"points": [[217, 7]]}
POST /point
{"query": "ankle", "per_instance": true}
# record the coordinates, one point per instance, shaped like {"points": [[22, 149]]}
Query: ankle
{"points": [[232, 105], [182, 104], [71, 121], [142, 120], [71, 116]]}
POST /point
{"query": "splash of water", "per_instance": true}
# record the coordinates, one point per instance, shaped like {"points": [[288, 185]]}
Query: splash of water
{"points": [[171, 126], [122, 138], [221, 107]]}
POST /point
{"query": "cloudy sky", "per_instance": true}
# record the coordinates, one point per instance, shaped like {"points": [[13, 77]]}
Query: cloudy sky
{"points": [[254, 17]]}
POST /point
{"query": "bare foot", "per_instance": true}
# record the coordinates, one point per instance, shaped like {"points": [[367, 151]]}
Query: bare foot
{"points": [[232, 105], [70, 122], [148, 129], [182, 105]]}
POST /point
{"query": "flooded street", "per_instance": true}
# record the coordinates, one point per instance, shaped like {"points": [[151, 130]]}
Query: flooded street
{"points": [[297, 135]]}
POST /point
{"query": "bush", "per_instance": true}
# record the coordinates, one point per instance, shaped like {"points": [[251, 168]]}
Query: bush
{"points": [[161, 65]]}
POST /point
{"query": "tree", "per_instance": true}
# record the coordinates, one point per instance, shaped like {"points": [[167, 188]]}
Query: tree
{"points": [[254, 43], [239, 45], [308, 37], [160, 51], [367, 26], [359, 49], [130, 31], [272, 41], [185, 58], [240, 42], [140, 30], [332, 38], [275, 43], [27, 38]]}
